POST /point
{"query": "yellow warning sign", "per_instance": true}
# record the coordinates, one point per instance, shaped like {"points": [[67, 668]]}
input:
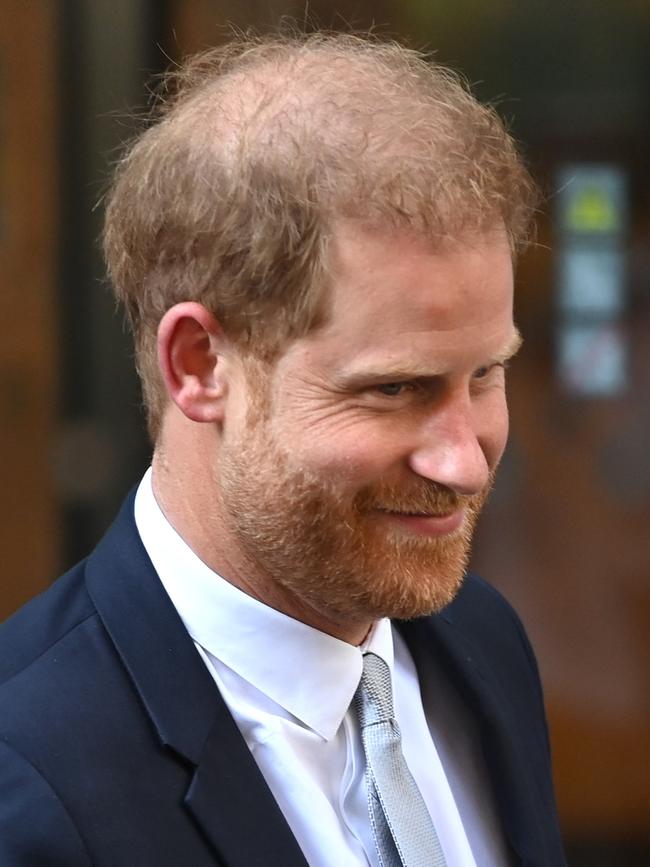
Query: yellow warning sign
{"points": [[591, 209]]}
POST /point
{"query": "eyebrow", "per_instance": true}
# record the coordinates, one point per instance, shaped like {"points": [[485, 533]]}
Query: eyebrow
{"points": [[399, 372]]}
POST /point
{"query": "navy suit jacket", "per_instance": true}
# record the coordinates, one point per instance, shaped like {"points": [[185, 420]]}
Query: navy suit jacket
{"points": [[117, 750]]}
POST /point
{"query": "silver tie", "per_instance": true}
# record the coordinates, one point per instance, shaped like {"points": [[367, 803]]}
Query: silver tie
{"points": [[404, 833]]}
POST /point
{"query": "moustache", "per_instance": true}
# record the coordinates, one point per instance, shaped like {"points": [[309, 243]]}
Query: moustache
{"points": [[420, 498]]}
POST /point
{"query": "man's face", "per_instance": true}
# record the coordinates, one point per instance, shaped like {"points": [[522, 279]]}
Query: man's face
{"points": [[358, 486]]}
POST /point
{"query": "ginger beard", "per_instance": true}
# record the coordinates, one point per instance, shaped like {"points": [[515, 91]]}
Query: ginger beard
{"points": [[333, 549]]}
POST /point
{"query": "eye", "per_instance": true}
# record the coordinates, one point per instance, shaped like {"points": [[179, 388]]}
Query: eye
{"points": [[392, 389], [483, 372]]}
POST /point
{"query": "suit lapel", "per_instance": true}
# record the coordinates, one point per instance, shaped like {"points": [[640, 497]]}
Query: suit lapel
{"points": [[227, 796], [507, 765], [232, 804]]}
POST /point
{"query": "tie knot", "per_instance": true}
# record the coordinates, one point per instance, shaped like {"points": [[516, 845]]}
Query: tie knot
{"points": [[374, 697]]}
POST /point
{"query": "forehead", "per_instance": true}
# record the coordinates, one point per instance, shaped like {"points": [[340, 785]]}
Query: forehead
{"points": [[393, 293]]}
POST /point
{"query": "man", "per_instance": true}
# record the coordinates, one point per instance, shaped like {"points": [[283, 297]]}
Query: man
{"points": [[314, 245]]}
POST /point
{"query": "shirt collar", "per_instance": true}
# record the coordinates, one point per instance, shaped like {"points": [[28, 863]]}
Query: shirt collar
{"points": [[310, 674]]}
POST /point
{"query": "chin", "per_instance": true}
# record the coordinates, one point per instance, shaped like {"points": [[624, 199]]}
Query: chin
{"points": [[403, 600]]}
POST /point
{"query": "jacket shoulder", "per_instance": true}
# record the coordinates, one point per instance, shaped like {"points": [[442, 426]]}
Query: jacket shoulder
{"points": [[476, 592], [40, 625], [483, 613]]}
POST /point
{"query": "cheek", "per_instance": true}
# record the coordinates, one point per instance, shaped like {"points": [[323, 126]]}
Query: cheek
{"points": [[357, 458], [493, 429]]}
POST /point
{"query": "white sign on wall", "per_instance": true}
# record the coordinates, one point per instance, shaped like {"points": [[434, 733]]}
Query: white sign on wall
{"points": [[592, 217]]}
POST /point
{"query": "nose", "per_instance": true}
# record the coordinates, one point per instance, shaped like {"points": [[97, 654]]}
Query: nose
{"points": [[451, 452]]}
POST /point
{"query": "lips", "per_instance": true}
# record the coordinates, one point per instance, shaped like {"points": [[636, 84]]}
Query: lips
{"points": [[417, 514], [426, 523]]}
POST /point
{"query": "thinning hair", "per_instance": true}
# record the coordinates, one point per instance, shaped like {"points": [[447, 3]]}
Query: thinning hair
{"points": [[230, 196]]}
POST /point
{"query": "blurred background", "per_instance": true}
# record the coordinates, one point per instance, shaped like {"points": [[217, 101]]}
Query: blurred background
{"points": [[566, 535]]}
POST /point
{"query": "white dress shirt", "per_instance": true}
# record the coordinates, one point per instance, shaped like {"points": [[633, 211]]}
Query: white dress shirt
{"points": [[289, 688]]}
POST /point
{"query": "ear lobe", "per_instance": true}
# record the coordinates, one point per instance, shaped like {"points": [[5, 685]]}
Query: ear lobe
{"points": [[191, 358]]}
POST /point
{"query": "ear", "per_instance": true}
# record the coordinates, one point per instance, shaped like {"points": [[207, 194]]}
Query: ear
{"points": [[192, 356]]}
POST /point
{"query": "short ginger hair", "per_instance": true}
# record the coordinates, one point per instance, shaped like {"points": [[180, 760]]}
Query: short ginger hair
{"points": [[230, 196]]}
